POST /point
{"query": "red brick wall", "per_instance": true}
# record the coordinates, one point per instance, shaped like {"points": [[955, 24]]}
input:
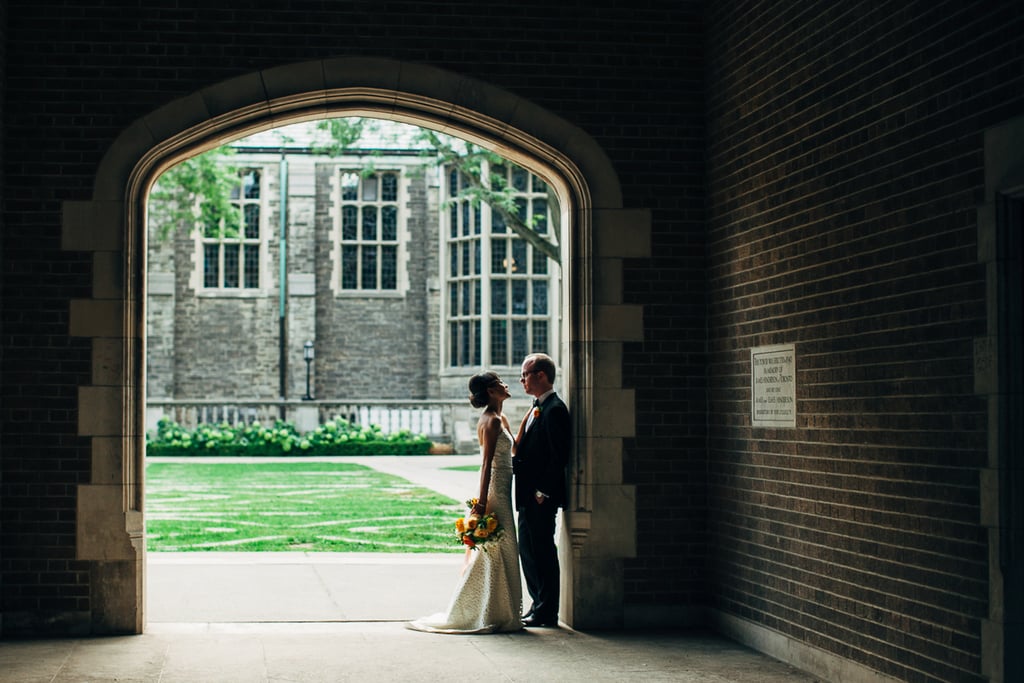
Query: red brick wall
{"points": [[629, 74], [845, 164]]}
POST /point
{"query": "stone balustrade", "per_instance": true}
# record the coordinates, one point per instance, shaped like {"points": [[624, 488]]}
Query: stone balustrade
{"points": [[443, 421]]}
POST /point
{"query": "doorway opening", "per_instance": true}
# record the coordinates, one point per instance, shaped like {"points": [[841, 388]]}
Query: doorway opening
{"points": [[375, 250], [599, 235]]}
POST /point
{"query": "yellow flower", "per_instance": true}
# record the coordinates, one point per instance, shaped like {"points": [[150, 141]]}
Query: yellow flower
{"points": [[492, 524], [472, 522], [482, 532], [460, 525]]}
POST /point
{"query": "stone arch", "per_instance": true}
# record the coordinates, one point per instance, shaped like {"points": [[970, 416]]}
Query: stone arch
{"points": [[601, 523]]}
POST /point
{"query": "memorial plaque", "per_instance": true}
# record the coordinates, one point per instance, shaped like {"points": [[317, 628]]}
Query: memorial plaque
{"points": [[773, 386]]}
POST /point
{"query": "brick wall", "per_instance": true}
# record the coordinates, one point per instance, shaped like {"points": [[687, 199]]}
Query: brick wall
{"points": [[845, 165]]}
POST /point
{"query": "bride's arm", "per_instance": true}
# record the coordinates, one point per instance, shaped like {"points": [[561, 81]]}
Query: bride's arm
{"points": [[519, 434], [489, 439]]}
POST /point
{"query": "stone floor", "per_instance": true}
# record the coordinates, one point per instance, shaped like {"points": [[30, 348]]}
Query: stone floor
{"points": [[310, 617], [384, 651]]}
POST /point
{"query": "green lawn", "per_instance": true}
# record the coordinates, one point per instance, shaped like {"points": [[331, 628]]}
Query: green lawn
{"points": [[293, 506]]}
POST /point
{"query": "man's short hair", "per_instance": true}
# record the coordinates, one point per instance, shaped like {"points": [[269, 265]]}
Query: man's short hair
{"points": [[543, 363]]}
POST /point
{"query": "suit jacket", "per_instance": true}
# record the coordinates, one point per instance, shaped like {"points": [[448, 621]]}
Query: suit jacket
{"points": [[542, 455]]}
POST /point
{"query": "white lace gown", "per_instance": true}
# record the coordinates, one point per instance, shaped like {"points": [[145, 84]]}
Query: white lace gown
{"points": [[489, 596]]}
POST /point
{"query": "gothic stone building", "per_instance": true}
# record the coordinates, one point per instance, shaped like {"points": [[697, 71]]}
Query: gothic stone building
{"points": [[404, 285], [791, 317]]}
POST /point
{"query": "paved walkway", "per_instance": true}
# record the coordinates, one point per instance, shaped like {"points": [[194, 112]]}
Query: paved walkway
{"points": [[310, 617]]}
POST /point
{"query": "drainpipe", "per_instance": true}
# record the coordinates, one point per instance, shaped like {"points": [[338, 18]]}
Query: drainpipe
{"points": [[282, 335]]}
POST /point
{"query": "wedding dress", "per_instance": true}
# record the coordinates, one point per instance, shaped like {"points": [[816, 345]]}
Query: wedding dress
{"points": [[489, 596]]}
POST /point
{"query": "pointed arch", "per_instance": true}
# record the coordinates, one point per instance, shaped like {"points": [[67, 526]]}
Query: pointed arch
{"points": [[599, 234]]}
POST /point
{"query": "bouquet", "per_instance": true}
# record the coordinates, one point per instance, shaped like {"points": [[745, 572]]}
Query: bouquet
{"points": [[476, 531]]}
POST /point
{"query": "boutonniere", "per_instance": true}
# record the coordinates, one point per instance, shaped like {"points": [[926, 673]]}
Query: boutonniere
{"points": [[536, 412]]}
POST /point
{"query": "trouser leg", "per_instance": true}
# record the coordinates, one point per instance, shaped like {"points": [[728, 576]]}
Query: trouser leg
{"points": [[527, 557], [541, 554]]}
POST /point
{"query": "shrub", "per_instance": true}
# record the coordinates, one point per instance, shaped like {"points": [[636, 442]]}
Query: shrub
{"points": [[337, 437]]}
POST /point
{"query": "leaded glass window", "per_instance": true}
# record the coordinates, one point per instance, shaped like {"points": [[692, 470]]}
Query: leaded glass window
{"points": [[232, 244], [369, 231], [499, 287]]}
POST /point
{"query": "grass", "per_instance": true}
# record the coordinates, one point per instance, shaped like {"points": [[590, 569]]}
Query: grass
{"points": [[293, 506]]}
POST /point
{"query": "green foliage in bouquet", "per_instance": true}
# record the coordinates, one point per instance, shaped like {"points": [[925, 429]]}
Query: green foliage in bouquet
{"points": [[337, 437]]}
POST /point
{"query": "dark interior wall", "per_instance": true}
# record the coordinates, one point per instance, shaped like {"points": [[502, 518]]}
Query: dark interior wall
{"points": [[845, 167], [3, 92], [79, 73]]}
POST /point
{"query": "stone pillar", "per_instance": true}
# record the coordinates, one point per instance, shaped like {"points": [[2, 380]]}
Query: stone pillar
{"points": [[605, 414], [109, 530]]}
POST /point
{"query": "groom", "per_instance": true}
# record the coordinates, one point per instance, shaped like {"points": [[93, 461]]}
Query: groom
{"points": [[541, 457]]}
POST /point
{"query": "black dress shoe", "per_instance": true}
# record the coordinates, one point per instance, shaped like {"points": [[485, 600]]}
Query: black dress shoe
{"points": [[534, 621]]}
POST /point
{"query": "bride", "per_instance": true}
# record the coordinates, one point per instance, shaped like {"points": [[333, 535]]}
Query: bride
{"points": [[489, 596]]}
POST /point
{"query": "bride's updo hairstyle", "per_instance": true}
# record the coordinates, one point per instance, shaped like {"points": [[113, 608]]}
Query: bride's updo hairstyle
{"points": [[478, 386]]}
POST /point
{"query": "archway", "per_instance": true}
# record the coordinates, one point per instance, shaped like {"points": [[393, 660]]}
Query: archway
{"points": [[600, 234]]}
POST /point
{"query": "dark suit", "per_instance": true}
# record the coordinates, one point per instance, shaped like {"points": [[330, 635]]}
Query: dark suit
{"points": [[540, 461]]}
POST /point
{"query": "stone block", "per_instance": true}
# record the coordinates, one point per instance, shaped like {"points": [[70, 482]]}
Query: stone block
{"points": [[607, 281], [614, 413], [92, 225], [618, 323], [108, 274], [108, 361], [597, 592], [102, 528], [116, 591], [623, 233], [615, 515], [607, 364], [605, 461], [107, 456], [100, 411], [96, 318]]}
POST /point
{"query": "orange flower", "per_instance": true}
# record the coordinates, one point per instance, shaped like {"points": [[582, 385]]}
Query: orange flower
{"points": [[476, 531]]}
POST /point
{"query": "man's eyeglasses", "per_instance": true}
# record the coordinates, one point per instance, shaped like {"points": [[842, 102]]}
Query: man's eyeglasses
{"points": [[527, 374]]}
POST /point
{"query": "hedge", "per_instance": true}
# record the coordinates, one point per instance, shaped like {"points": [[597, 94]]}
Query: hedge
{"points": [[338, 437]]}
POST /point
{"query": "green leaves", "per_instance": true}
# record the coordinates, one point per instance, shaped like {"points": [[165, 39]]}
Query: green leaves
{"points": [[197, 192]]}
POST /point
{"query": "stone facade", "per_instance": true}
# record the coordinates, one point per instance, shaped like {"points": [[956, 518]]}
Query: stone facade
{"points": [[207, 343]]}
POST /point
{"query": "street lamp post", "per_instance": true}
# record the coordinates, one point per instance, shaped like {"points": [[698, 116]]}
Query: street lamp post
{"points": [[307, 355]]}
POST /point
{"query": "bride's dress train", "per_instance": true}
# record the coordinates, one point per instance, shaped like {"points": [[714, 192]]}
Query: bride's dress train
{"points": [[489, 596]]}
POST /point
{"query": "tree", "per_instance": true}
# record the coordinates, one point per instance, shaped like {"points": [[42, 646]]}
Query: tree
{"points": [[197, 192], [471, 161]]}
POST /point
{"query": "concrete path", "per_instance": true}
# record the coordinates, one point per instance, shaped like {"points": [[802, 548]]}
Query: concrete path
{"points": [[325, 617]]}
